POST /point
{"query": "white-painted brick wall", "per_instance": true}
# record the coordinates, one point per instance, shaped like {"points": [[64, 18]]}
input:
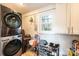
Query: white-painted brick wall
{"points": [[64, 40]]}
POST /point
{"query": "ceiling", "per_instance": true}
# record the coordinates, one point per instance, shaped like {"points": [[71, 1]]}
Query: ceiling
{"points": [[26, 7], [34, 6]]}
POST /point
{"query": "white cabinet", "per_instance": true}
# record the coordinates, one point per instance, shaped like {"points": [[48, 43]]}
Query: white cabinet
{"points": [[61, 26], [67, 18], [75, 18]]}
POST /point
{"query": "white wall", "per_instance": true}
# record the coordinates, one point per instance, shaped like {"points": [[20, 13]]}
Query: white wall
{"points": [[27, 26], [64, 40], [62, 23]]}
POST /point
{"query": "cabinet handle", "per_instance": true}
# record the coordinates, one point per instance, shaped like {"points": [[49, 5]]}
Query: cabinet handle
{"points": [[72, 30], [68, 30]]}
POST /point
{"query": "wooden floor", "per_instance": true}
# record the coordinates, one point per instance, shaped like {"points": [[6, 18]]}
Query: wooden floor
{"points": [[29, 53]]}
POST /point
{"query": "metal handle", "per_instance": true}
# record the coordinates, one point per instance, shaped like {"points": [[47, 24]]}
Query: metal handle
{"points": [[72, 30], [68, 30]]}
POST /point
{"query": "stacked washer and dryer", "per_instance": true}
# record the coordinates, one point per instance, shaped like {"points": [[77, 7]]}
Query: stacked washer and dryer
{"points": [[10, 32]]}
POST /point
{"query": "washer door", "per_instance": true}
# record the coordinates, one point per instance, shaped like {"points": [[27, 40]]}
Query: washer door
{"points": [[12, 47], [12, 20]]}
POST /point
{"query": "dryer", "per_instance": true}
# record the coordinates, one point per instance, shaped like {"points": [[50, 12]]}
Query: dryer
{"points": [[11, 46], [10, 22]]}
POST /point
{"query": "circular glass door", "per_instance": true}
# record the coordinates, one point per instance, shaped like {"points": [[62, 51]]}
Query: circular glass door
{"points": [[12, 47], [12, 20]]}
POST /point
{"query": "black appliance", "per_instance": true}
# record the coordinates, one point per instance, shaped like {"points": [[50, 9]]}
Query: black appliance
{"points": [[12, 47], [50, 50], [10, 22], [41, 48], [10, 27], [55, 48]]}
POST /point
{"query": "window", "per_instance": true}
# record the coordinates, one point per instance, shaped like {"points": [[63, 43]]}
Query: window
{"points": [[47, 21]]}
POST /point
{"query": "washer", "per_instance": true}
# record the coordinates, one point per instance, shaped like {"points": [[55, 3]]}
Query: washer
{"points": [[11, 46]]}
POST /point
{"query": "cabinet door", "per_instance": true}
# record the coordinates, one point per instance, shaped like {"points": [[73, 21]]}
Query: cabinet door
{"points": [[75, 18], [61, 19]]}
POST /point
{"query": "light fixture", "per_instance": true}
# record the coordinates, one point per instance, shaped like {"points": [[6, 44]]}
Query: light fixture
{"points": [[20, 4]]}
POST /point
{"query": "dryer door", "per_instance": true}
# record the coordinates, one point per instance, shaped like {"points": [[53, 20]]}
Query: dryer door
{"points": [[12, 47], [12, 20]]}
